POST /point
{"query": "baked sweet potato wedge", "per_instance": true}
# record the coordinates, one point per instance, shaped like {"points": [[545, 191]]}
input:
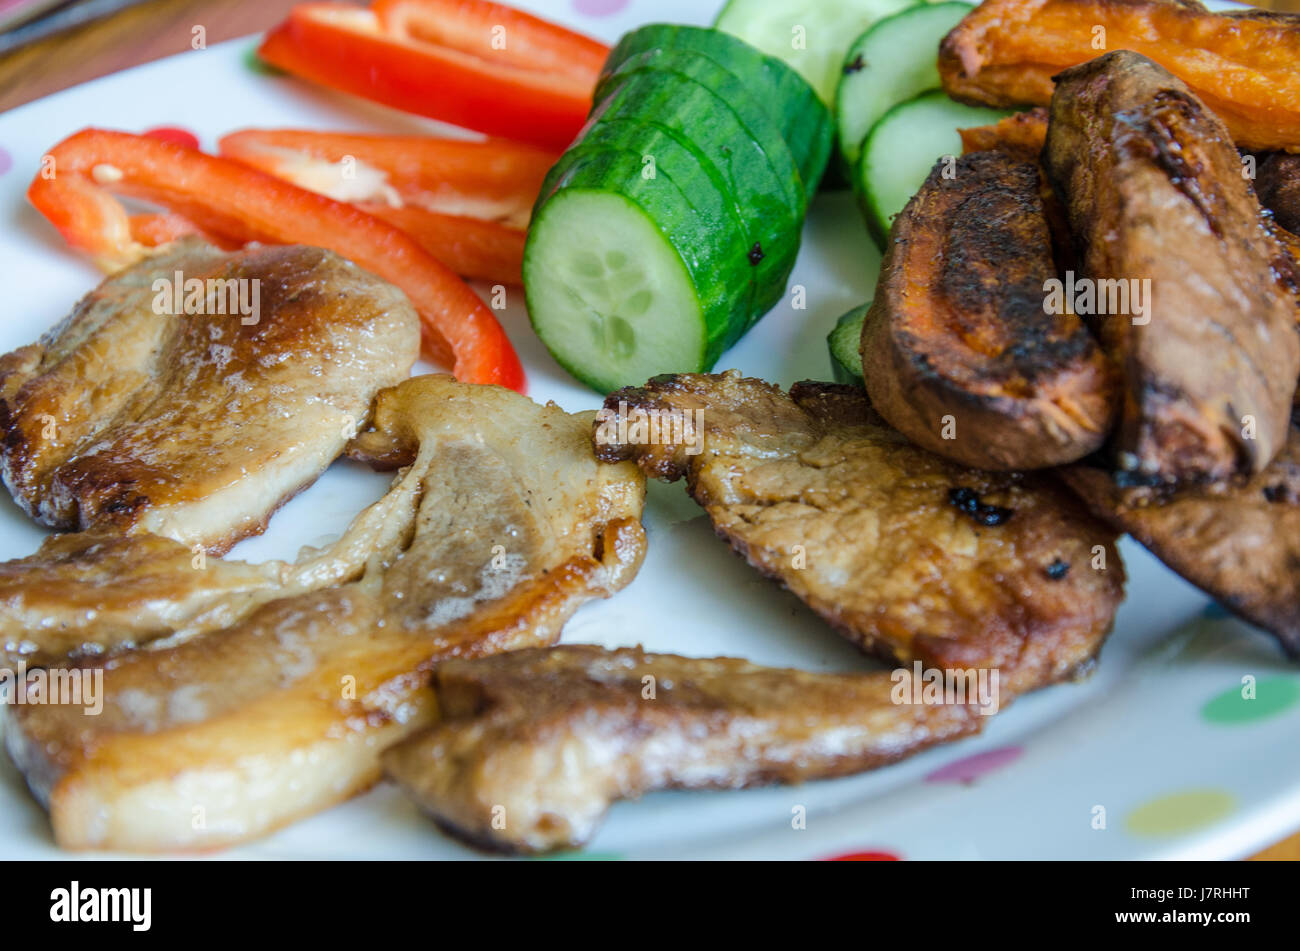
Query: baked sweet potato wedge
{"points": [[1158, 204], [958, 351], [1242, 65], [1023, 135]]}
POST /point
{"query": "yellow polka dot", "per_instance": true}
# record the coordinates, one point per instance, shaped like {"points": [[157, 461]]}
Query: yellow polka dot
{"points": [[1180, 813]]}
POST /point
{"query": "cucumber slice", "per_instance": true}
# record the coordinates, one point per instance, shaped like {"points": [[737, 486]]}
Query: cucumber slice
{"points": [[811, 37], [620, 273], [845, 345], [708, 193], [894, 61], [721, 115], [749, 153], [803, 118], [902, 148]]}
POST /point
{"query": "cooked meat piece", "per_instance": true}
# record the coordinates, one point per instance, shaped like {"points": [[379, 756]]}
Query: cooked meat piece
{"points": [[509, 525], [1277, 183], [88, 594], [198, 426], [1239, 542], [958, 351], [1023, 135], [1159, 206], [532, 746], [1005, 53], [907, 555]]}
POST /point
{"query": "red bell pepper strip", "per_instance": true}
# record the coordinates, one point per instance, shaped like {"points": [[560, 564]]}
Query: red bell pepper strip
{"points": [[474, 25], [496, 180], [153, 230], [225, 197], [474, 249], [497, 91]]}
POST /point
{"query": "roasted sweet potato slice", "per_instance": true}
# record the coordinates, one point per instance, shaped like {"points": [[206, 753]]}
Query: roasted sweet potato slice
{"points": [[1023, 135], [958, 351], [1242, 65]]}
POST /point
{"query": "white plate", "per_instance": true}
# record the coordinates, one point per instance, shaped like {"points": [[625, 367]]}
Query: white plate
{"points": [[1144, 742]]}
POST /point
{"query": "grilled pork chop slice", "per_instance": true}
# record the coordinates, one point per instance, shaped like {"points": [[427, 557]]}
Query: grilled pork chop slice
{"points": [[1277, 182], [95, 593], [908, 555], [958, 351], [531, 747], [197, 426], [1237, 541], [1155, 192], [509, 523], [1005, 53]]}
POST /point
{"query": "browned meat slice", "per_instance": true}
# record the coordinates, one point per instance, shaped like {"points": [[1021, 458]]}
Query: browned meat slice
{"points": [[958, 351], [1277, 182], [1158, 204], [1241, 64], [507, 525], [87, 594], [196, 426], [532, 746], [1239, 542], [909, 556]]}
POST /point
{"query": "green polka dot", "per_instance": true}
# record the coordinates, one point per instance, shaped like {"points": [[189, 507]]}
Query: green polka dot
{"points": [[259, 65], [1272, 696], [1180, 813]]}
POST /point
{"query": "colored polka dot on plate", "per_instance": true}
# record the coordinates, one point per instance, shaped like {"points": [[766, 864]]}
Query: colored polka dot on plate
{"points": [[1272, 696], [175, 135], [6, 161], [865, 857], [970, 768], [259, 65], [600, 8], [1179, 813]]}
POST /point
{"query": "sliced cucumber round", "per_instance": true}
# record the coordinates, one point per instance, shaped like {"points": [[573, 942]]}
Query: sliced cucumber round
{"points": [[811, 37], [845, 345], [756, 167], [649, 82], [803, 118], [708, 193], [620, 273], [893, 61], [903, 147]]}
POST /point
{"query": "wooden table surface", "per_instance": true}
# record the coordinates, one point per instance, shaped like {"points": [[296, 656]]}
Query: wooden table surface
{"points": [[162, 27]]}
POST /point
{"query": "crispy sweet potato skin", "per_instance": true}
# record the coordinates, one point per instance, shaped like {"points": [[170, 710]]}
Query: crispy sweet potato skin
{"points": [[1242, 65], [958, 351], [1023, 135], [1155, 195]]}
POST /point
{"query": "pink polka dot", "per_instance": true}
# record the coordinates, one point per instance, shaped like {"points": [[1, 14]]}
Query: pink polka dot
{"points": [[874, 856], [971, 768], [600, 8], [174, 135], [6, 161]]}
